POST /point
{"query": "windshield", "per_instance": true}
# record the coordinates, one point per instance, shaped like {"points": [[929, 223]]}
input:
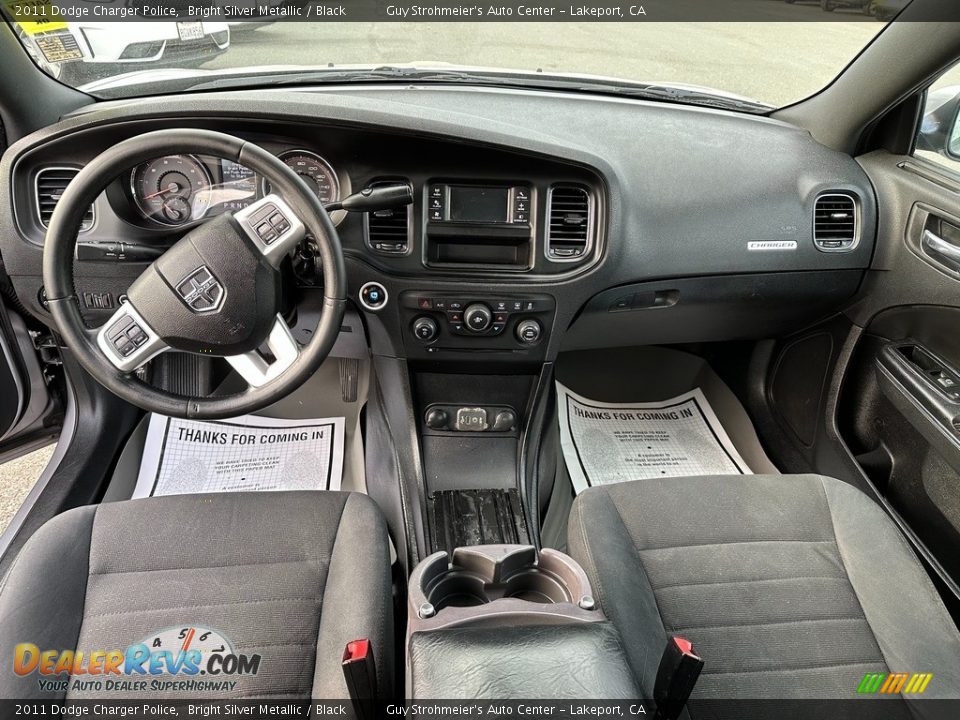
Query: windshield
{"points": [[791, 55]]}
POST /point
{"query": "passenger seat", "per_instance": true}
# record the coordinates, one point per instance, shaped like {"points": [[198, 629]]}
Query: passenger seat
{"points": [[788, 586]]}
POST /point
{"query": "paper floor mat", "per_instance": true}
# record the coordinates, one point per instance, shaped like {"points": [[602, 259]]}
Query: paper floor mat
{"points": [[240, 454], [606, 443]]}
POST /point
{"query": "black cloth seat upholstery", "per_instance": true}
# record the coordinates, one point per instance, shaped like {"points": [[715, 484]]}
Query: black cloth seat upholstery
{"points": [[788, 586], [291, 576]]}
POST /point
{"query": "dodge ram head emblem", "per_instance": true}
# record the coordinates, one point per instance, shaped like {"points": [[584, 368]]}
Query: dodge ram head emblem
{"points": [[201, 291]]}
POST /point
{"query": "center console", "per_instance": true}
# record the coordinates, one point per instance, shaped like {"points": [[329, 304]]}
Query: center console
{"points": [[461, 298], [456, 323], [504, 621], [462, 269], [479, 226]]}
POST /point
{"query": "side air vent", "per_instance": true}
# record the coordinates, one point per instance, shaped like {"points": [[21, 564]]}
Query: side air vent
{"points": [[570, 213], [50, 184], [388, 231], [836, 222]]}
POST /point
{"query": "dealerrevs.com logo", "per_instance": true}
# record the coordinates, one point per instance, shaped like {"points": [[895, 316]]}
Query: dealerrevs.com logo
{"points": [[188, 659]]}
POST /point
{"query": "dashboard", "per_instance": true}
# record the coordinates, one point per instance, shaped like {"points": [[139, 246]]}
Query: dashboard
{"points": [[560, 221]]}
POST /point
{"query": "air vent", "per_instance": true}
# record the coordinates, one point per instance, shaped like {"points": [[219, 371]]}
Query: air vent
{"points": [[570, 211], [388, 231], [836, 222], [50, 184]]}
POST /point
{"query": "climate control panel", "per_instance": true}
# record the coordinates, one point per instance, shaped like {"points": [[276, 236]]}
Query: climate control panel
{"points": [[440, 322]]}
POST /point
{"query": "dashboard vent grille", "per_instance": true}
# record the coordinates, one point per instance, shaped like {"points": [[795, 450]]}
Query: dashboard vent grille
{"points": [[570, 223], [50, 184], [388, 231], [836, 222]]}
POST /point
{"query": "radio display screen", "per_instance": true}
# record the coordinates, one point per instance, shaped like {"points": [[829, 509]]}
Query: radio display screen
{"points": [[479, 204]]}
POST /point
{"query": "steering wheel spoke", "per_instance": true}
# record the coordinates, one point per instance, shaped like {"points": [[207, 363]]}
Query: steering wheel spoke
{"points": [[256, 369], [273, 227], [127, 340]]}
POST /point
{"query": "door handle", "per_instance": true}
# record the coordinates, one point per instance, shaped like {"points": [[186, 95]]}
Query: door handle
{"points": [[941, 250]]}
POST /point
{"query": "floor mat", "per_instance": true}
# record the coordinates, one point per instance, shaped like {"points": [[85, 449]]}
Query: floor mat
{"points": [[606, 443], [240, 454]]}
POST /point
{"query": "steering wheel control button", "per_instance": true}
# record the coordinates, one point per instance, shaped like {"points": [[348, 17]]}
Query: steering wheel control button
{"points": [[425, 329], [273, 227], [127, 340], [266, 233], [373, 296], [126, 336], [477, 317], [201, 291], [136, 335], [119, 327], [279, 223], [528, 332], [269, 223]]}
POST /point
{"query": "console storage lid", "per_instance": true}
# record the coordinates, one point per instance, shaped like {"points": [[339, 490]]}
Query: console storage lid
{"points": [[504, 621]]}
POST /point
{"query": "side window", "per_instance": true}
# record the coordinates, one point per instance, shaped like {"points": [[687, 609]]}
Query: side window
{"points": [[939, 138]]}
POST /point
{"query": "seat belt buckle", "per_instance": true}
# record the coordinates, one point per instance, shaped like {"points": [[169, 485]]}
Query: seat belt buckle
{"points": [[360, 674], [679, 669]]}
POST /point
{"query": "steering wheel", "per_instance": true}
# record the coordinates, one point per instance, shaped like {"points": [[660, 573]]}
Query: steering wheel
{"points": [[217, 291]]}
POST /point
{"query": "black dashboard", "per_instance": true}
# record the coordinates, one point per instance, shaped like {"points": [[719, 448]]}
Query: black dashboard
{"points": [[540, 221]]}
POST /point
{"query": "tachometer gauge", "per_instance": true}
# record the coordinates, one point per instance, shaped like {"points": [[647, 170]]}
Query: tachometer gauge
{"points": [[314, 171], [172, 190]]}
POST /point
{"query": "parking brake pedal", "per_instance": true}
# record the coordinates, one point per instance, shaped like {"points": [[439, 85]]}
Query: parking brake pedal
{"points": [[679, 669]]}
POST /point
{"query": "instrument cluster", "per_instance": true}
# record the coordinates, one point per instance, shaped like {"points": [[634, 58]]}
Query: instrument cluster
{"points": [[177, 190]]}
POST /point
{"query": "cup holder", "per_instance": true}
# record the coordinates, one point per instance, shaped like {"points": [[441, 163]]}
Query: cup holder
{"points": [[539, 587], [455, 589], [493, 580]]}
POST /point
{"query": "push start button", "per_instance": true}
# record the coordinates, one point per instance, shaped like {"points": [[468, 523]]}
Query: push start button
{"points": [[373, 296]]}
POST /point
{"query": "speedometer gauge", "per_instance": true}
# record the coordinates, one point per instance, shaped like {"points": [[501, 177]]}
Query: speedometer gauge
{"points": [[314, 171], [172, 190]]}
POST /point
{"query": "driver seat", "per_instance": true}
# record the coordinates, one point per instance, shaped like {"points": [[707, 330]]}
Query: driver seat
{"points": [[291, 576]]}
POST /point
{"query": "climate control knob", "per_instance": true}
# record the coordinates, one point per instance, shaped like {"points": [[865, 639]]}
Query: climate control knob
{"points": [[528, 332], [477, 317], [425, 329]]}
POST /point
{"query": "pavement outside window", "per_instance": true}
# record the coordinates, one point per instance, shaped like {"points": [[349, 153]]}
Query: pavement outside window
{"points": [[17, 478]]}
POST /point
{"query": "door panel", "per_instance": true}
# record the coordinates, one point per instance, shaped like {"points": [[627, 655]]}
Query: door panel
{"points": [[899, 409], [30, 414], [12, 391]]}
